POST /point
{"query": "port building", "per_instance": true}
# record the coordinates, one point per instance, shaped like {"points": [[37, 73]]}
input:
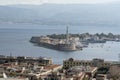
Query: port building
{"points": [[95, 63]]}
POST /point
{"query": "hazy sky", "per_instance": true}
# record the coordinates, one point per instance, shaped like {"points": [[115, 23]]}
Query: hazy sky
{"points": [[5, 2]]}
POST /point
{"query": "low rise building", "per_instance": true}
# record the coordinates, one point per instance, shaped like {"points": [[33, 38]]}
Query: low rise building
{"points": [[23, 59], [80, 72], [45, 61], [115, 70], [14, 79], [95, 63], [45, 71]]}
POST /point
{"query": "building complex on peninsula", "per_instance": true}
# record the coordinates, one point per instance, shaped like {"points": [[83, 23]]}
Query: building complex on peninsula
{"points": [[67, 44]]}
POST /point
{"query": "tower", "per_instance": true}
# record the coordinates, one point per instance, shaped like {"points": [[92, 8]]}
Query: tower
{"points": [[67, 36]]}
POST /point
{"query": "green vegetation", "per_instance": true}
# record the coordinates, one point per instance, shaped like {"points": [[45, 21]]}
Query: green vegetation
{"points": [[59, 36], [102, 70], [84, 35]]}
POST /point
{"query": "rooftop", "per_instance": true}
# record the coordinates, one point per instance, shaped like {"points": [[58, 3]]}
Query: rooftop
{"points": [[52, 66], [14, 79]]}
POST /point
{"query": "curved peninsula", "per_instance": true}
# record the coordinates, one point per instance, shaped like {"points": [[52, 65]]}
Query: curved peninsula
{"points": [[66, 44], [72, 42]]}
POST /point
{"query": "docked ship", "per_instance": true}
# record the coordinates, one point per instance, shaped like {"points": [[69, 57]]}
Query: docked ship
{"points": [[68, 44]]}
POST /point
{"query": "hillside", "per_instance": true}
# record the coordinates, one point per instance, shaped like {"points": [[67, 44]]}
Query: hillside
{"points": [[60, 14]]}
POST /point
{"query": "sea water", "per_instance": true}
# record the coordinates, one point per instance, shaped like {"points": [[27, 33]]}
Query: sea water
{"points": [[14, 39]]}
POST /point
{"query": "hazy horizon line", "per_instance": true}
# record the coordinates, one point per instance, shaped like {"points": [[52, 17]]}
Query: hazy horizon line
{"points": [[61, 4]]}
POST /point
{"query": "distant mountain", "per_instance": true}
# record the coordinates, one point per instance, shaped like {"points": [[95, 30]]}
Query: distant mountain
{"points": [[62, 14]]}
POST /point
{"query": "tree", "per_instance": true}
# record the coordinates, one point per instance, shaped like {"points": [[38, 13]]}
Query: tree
{"points": [[110, 35]]}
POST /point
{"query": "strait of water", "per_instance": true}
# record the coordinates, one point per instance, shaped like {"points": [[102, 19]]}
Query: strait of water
{"points": [[15, 38]]}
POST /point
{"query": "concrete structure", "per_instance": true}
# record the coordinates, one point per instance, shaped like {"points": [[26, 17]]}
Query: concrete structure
{"points": [[115, 69], [95, 62], [74, 73], [45, 71], [40, 60], [79, 72], [45, 61]]}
